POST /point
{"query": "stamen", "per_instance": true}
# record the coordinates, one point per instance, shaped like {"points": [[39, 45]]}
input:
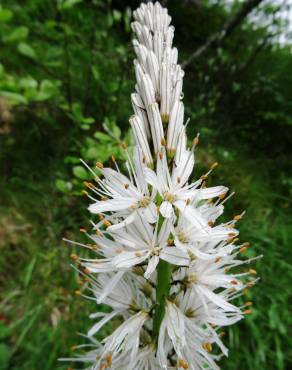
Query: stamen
{"points": [[207, 347], [145, 202], [196, 141], [183, 364], [108, 359], [106, 223], [214, 165], [99, 165], [138, 270], [182, 237], [192, 278], [222, 196], [169, 197], [74, 257]]}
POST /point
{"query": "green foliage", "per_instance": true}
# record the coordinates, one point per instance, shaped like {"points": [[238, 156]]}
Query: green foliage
{"points": [[65, 81]]}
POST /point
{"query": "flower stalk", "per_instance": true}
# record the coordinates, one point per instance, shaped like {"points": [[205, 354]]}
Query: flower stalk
{"points": [[162, 291], [161, 261]]}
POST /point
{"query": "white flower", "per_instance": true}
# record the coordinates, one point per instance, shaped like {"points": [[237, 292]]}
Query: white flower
{"points": [[134, 244], [210, 275], [175, 191], [126, 337], [190, 339], [128, 195], [146, 360], [143, 243], [203, 243], [121, 294]]}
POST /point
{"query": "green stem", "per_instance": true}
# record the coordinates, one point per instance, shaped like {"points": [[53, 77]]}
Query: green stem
{"points": [[162, 291]]}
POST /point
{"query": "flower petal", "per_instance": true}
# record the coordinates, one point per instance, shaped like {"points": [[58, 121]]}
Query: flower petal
{"points": [[150, 213], [129, 259], [97, 326], [174, 256], [117, 204], [153, 262], [166, 209], [110, 286]]}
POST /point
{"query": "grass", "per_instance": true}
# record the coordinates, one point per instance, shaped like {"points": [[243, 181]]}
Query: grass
{"points": [[40, 315]]}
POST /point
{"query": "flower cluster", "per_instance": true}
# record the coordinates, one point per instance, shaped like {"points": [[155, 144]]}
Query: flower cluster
{"points": [[163, 263]]}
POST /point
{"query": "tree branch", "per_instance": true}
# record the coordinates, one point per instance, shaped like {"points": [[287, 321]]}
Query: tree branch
{"points": [[229, 26]]}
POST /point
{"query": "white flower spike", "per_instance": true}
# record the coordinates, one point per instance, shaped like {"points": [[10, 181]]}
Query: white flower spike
{"points": [[161, 262]]}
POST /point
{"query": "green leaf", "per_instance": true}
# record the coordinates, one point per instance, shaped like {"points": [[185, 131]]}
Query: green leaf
{"points": [[48, 89], [95, 73], [14, 97], [67, 4], [117, 15], [71, 159], [127, 19], [28, 325], [102, 136], [18, 34], [80, 172], [26, 50], [88, 120], [5, 15], [63, 186], [5, 354], [28, 83], [85, 127], [5, 331], [92, 153], [29, 271]]}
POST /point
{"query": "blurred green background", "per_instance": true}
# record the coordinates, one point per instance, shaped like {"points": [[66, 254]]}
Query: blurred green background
{"points": [[65, 79]]}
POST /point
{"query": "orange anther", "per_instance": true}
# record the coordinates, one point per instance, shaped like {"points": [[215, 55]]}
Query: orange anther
{"points": [[99, 165], [214, 165]]}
